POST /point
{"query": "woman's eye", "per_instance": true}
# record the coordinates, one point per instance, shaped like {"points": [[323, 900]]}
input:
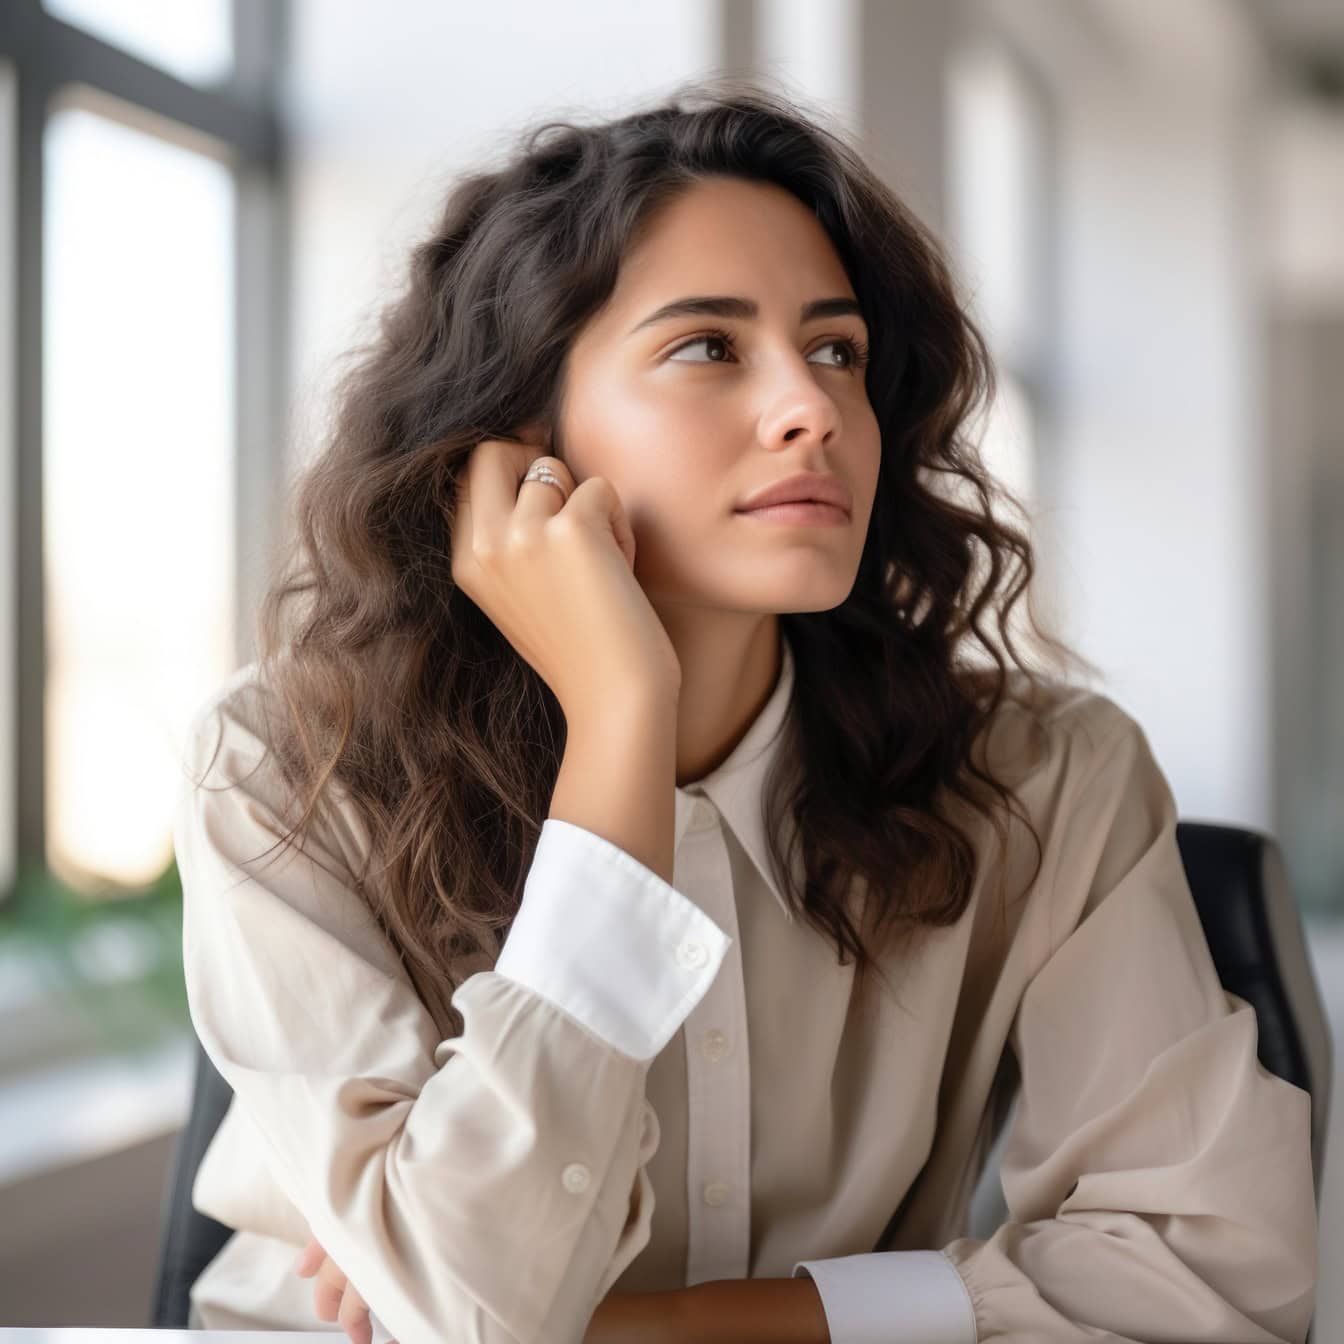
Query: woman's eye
{"points": [[702, 340], [850, 347]]}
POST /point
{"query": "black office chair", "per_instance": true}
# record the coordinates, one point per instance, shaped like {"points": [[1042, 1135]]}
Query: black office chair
{"points": [[188, 1239], [1255, 935]]}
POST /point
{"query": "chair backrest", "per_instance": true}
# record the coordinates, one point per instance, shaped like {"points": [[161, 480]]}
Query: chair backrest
{"points": [[1254, 932], [188, 1239]]}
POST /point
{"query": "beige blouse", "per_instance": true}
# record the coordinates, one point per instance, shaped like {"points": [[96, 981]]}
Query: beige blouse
{"points": [[658, 1085]]}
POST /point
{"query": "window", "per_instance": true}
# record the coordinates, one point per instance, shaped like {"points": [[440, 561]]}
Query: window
{"points": [[8, 513], [141, 373], [138, 497], [192, 39]]}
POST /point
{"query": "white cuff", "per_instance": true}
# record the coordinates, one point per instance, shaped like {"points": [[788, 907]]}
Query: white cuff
{"points": [[893, 1297], [606, 939]]}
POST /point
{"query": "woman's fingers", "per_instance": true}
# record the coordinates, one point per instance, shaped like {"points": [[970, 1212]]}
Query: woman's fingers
{"points": [[310, 1259], [544, 564], [354, 1317], [335, 1298], [328, 1291]]}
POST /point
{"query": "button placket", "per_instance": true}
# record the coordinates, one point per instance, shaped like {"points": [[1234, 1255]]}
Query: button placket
{"points": [[718, 1084], [716, 1192], [714, 1044]]}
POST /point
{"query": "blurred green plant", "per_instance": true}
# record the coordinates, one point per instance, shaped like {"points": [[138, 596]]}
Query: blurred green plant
{"points": [[110, 955]]}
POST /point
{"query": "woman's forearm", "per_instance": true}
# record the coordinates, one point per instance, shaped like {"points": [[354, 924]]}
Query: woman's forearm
{"points": [[618, 777], [754, 1311], [639, 1318], [724, 1311]]}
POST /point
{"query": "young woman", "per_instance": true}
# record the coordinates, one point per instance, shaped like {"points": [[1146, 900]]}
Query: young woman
{"points": [[624, 905]]}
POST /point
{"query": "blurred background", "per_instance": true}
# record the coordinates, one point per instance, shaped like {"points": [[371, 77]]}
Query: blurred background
{"points": [[202, 203]]}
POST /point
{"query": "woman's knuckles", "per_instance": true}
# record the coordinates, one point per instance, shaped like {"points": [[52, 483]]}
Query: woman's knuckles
{"points": [[335, 1298], [354, 1318], [326, 1305], [544, 569], [328, 1290]]}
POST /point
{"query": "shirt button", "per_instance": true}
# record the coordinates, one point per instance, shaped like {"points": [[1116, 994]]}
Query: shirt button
{"points": [[575, 1178], [692, 955], [702, 815], [715, 1044], [716, 1192]]}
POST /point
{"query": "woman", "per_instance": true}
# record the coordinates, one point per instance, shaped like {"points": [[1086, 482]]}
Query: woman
{"points": [[631, 967]]}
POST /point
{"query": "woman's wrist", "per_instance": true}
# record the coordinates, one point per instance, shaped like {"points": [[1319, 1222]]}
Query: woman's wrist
{"points": [[617, 779]]}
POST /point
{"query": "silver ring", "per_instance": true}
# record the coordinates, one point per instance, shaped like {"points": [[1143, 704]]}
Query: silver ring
{"points": [[544, 474]]}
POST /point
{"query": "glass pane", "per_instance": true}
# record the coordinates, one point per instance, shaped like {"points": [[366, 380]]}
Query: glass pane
{"points": [[192, 39], [8, 312], [138, 483]]}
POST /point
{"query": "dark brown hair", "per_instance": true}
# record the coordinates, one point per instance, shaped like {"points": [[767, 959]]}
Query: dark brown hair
{"points": [[392, 687]]}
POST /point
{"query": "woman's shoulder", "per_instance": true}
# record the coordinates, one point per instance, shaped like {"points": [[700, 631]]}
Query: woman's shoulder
{"points": [[232, 742], [1046, 726], [238, 748], [233, 712]]}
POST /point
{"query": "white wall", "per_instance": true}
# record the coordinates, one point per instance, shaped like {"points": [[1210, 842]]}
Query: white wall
{"points": [[811, 50], [1159, 530]]}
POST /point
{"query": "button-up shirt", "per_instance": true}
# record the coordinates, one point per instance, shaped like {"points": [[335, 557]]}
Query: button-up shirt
{"points": [[658, 1084]]}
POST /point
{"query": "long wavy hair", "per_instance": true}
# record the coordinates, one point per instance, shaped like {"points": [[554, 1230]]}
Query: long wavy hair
{"points": [[388, 686]]}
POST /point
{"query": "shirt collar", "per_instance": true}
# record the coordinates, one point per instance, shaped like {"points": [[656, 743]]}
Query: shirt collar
{"points": [[736, 786]]}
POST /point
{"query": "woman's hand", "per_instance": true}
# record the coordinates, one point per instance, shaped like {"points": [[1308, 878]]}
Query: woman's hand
{"points": [[639, 1318], [334, 1296], [556, 576]]}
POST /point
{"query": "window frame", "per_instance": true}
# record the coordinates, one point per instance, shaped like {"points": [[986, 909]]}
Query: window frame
{"points": [[241, 116]]}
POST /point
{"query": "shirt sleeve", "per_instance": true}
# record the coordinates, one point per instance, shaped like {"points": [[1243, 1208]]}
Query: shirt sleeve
{"points": [[892, 1297], [1158, 1178], [490, 1186]]}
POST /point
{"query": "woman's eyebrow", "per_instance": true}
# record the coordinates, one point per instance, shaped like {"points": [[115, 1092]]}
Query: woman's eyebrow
{"points": [[727, 306]]}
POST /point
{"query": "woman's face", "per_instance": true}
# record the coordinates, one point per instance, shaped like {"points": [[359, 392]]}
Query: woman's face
{"points": [[685, 425]]}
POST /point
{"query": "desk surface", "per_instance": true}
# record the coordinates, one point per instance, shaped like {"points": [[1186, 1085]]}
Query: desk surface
{"points": [[93, 1334]]}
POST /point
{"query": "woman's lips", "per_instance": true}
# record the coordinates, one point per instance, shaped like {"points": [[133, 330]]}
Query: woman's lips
{"points": [[808, 513]]}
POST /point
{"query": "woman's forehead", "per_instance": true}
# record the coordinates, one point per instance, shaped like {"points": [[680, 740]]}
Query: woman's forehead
{"points": [[769, 255]]}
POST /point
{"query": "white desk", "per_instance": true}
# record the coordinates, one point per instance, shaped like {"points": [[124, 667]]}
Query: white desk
{"points": [[93, 1334]]}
